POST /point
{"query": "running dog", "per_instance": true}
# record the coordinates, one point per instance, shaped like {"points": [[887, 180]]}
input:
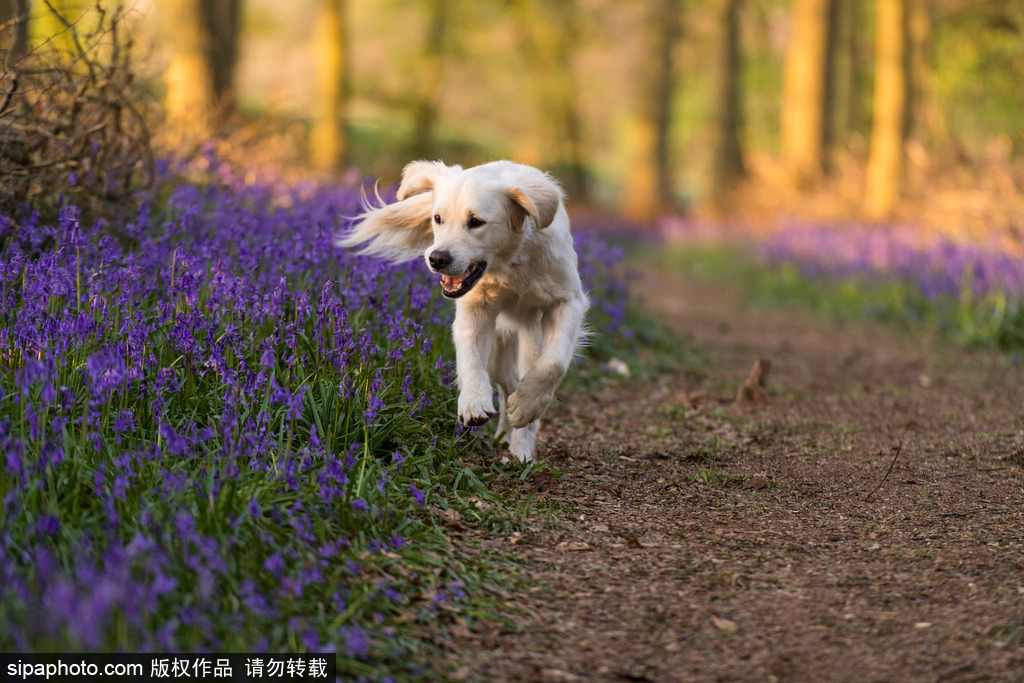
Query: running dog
{"points": [[498, 235]]}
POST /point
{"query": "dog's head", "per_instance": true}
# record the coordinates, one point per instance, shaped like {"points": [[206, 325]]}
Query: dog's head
{"points": [[466, 221]]}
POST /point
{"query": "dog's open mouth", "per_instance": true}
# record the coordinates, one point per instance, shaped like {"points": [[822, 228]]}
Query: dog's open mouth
{"points": [[454, 286]]}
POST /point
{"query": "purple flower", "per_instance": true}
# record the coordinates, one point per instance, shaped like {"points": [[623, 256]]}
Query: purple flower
{"points": [[356, 644], [274, 564], [360, 504], [47, 525], [421, 499]]}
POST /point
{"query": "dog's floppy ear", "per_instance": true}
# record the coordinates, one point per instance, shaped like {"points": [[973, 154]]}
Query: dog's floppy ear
{"points": [[420, 176], [538, 195], [397, 232]]}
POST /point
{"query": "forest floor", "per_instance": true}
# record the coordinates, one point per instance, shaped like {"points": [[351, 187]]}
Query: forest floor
{"points": [[692, 538]]}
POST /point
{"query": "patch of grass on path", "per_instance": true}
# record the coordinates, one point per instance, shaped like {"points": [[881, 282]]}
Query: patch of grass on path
{"points": [[962, 316]]}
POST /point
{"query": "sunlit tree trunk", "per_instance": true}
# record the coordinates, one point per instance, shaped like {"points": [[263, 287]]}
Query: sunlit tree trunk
{"points": [[727, 153], [885, 164], [15, 42], [200, 79], [431, 68], [549, 39], [221, 26], [327, 138], [925, 119], [804, 91], [648, 184], [190, 100]]}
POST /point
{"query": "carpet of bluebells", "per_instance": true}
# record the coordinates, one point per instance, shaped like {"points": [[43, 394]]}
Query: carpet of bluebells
{"points": [[972, 293], [220, 432]]}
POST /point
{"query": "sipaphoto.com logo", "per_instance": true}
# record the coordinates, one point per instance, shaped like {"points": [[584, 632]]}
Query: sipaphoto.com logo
{"points": [[23, 670]]}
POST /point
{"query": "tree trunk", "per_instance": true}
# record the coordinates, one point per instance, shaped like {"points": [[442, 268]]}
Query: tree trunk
{"points": [[16, 42], [925, 119], [425, 111], [221, 28], [885, 164], [802, 118], [327, 138], [190, 101], [727, 153], [839, 79], [648, 186]]}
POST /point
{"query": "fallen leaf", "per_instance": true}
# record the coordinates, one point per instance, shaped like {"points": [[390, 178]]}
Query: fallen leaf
{"points": [[726, 626], [558, 676], [756, 483], [573, 546]]}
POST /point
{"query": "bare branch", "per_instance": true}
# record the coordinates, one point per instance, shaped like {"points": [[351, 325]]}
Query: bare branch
{"points": [[898, 448]]}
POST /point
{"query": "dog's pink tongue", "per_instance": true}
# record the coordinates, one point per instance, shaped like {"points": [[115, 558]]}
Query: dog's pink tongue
{"points": [[450, 282]]}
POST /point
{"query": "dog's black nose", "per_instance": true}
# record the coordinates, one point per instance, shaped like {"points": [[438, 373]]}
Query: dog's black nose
{"points": [[439, 260]]}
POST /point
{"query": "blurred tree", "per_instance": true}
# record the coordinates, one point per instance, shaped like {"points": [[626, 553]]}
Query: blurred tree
{"points": [[840, 78], [918, 111], [978, 73], [888, 125], [327, 146], [221, 20], [727, 164], [648, 181], [204, 52], [14, 18], [190, 99], [431, 71], [549, 33], [803, 102]]}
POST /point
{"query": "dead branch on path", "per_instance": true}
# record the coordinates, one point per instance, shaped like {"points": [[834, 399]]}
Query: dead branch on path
{"points": [[898, 448], [754, 389]]}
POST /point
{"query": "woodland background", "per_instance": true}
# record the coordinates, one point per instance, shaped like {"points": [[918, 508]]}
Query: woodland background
{"points": [[827, 109]]}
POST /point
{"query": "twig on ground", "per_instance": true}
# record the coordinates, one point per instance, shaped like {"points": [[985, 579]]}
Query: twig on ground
{"points": [[754, 389], [898, 448]]}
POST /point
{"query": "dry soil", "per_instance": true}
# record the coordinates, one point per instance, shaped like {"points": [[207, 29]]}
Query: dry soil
{"points": [[698, 539]]}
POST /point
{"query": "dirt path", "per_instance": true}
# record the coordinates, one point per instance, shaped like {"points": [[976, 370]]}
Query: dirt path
{"points": [[703, 540]]}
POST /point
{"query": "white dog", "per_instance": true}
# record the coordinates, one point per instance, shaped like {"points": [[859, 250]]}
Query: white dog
{"points": [[498, 235]]}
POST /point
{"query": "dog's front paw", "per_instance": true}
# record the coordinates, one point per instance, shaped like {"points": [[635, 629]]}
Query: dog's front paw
{"points": [[527, 407], [474, 412]]}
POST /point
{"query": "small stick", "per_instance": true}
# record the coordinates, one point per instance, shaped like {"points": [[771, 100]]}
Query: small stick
{"points": [[899, 447], [754, 388]]}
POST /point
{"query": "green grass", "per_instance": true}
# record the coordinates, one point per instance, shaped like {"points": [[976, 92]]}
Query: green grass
{"points": [[897, 304]]}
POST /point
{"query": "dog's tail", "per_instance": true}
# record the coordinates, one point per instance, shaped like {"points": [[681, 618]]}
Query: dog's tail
{"points": [[400, 231]]}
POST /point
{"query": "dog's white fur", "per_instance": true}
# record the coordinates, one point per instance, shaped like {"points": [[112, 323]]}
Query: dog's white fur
{"points": [[522, 321]]}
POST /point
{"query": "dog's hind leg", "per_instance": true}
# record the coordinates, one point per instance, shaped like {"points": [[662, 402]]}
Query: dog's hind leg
{"points": [[515, 348], [502, 368], [523, 439]]}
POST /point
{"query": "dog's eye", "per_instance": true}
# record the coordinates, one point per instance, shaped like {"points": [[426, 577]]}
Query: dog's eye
{"points": [[437, 218], [474, 222]]}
